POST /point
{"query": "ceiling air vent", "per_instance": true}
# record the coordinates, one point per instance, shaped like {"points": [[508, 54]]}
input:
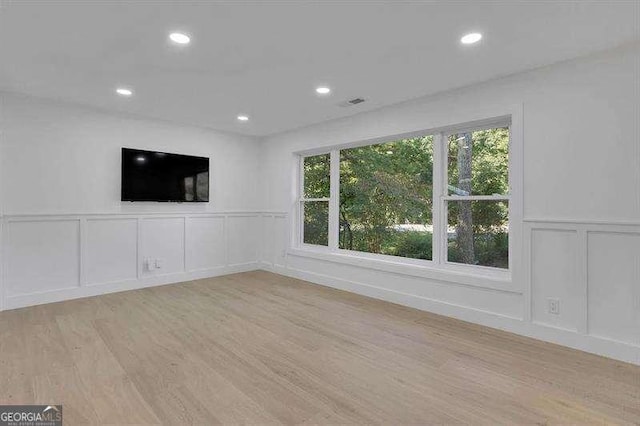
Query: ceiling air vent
{"points": [[351, 102]]}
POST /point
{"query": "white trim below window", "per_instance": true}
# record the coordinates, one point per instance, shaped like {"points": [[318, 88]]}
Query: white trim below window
{"points": [[493, 279]]}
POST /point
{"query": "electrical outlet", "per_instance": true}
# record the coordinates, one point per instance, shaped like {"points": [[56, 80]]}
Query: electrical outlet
{"points": [[554, 306]]}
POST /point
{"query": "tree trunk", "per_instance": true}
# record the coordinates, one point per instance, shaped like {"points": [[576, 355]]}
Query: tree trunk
{"points": [[347, 235], [464, 230]]}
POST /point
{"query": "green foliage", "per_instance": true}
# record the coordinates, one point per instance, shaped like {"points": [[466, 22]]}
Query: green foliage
{"points": [[316, 222], [491, 249], [488, 216], [317, 176], [415, 245], [382, 185], [316, 213]]}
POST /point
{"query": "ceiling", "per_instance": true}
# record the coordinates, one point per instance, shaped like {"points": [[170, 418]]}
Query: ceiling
{"points": [[264, 59]]}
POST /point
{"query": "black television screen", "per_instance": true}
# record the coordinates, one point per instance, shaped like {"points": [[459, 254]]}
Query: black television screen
{"points": [[160, 176]]}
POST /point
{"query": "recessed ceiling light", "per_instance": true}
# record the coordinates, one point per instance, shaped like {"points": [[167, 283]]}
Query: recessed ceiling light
{"points": [[122, 91], [243, 118], [323, 90], [471, 38], [179, 38]]}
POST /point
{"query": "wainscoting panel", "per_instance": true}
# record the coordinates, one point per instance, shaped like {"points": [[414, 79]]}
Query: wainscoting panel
{"points": [[110, 250], [49, 258], [614, 285], [275, 237], [593, 269], [554, 276], [244, 239], [205, 243], [163, 241], [280, 240], [267, 250], [41, 256]]}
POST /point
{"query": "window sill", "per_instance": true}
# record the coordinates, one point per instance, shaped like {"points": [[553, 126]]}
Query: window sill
{"points": [[483, 278]]}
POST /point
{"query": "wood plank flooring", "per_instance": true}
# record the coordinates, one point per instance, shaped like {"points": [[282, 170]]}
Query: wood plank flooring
{"points": [[260, 348]]}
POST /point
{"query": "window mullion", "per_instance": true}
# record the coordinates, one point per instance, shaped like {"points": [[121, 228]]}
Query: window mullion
{"points": [[334, 199], [476, 198], [439, 171], [300, 204]]}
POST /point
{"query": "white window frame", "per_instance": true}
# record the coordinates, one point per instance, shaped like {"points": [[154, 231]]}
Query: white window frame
{"points": [[439, 267], [302, 200], [444, 198]]}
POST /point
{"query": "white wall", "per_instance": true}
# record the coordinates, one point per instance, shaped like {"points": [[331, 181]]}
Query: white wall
{"points": [[66, 233], [581, 198], [58, 158]]}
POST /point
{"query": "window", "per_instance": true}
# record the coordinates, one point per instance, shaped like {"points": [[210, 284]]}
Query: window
{"points": [[315, 199], [386, 198], [441, 198], [477, 205]]}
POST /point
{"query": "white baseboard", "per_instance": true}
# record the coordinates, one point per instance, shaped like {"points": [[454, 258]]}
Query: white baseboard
{"points": [[23, 300], [596, 345]]}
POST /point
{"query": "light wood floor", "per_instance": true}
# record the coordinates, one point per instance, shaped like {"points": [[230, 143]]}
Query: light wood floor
{"points": [[261, 348]]}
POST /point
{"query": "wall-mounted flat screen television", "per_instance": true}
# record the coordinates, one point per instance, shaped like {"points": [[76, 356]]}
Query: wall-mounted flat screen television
{"points": [[160, 176]]}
